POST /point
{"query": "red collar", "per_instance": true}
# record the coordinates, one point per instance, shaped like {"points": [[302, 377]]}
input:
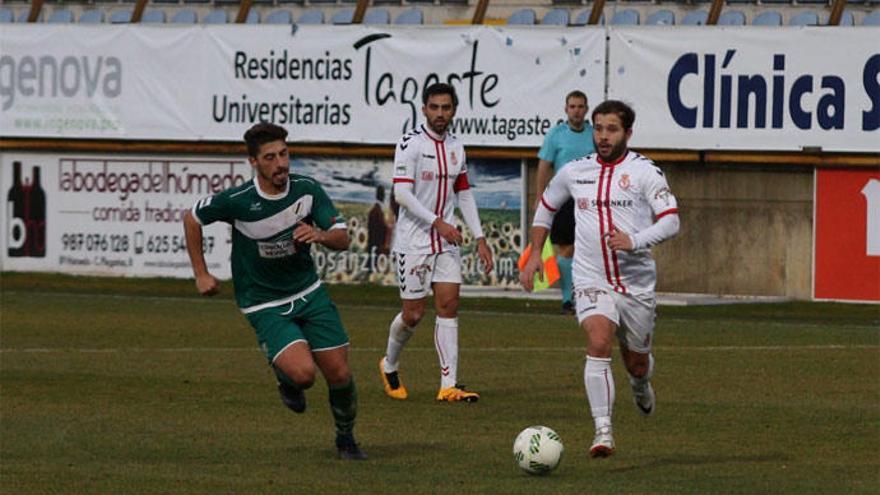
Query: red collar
{"points": [[611, 164]]}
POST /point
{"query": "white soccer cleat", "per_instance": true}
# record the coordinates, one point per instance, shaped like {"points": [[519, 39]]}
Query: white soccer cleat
{"points": [[603, 443], [644, 398]]}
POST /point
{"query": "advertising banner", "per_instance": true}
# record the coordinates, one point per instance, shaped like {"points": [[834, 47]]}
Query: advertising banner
{"points": [[349, 84], [847, 235], [747, 87]]}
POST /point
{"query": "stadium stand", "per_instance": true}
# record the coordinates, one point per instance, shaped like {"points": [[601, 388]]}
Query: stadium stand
{"points": [[732, 18], [410, 16], [218, 16], [120, 17], [186, 16], [7, 15], [311, 17], [522, 17], [376, 16], [556, 17], [92, 16], [61, 16], [626, 17], [153, 16], [872, 19], [282, 17], [661, 17], [343, 16], [804, 19], [768, 18], [695, 18]]}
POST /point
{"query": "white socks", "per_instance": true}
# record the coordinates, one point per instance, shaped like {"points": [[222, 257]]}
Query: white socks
{"points": [[446, 342], [398, 335], [599, 383]]}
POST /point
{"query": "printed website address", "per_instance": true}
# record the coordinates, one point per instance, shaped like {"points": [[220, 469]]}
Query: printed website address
{"points": [[175, 264], [511, 128], [61, 124]]}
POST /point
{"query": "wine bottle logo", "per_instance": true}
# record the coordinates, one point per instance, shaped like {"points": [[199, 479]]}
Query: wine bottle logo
{"points": [[26, 215]]}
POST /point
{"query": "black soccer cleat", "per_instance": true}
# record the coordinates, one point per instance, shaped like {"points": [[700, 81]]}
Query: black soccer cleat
{"points": [[292, 397], [347, 449]]}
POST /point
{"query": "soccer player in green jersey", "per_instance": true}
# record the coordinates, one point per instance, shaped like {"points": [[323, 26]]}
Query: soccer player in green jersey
{"points": [[275, 218]]}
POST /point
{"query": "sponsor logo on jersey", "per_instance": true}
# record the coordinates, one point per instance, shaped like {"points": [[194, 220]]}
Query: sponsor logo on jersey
{"points": [[256, 206], [426, 155], [427, 175], [663, 194], [583, 203], [613, 202], [277, 249], [585, 181], [624, 182]]}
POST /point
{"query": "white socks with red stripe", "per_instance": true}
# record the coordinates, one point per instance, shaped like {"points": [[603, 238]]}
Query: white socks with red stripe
{"points": [[446, 342], [398, 335], [599, 383]]}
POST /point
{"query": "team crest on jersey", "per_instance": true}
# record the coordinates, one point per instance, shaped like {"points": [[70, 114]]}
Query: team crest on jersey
{"points": [[663, 194], [583, 203], [453, 158], [624, 182], [427, 175]]}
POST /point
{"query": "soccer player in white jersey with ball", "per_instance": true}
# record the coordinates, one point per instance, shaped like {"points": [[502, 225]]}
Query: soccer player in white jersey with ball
{"points": [[623, 207], [430, 173]]}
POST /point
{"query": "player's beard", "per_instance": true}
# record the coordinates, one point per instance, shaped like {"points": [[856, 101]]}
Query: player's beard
{"points": [[439, 127], [617, 150]]}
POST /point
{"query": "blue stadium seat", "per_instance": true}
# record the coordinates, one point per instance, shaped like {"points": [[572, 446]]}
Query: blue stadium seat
{"points": [[556, 17], [695, 18], [375, 16], [120, 17], [410, 16], [343, 16], [522, 17], [847, 18], [625, 17], [253, 17], [768, 18], [583, 17], [93, 16], [732, 18], [62, 16], [661, 17], [7, 15], [278, 17], [808, 18], [311, 17], [23, 16], [872, 19], [185, 16], [217, 16], [153, 16]]}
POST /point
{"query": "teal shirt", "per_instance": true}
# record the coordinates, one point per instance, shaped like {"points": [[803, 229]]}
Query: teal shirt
{"points": [[562, 145], [267, 265]]}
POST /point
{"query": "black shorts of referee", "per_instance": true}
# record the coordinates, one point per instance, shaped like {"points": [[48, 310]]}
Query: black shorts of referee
{"points": [[562, 230]]}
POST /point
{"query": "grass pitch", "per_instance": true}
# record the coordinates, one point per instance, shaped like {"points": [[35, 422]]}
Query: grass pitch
{"points": [[140, 386]]}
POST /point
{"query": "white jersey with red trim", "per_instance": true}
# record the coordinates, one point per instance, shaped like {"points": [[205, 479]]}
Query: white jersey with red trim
{"points": [[629, 195], [437, 169]]}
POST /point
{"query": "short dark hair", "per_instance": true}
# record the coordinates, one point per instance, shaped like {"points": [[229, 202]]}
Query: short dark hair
{"points": [[263, 133], [619, 108], [440, 89], [576, 94]]}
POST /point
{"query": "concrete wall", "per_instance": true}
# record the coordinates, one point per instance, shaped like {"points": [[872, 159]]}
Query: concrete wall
{"points": [[745, 230]]}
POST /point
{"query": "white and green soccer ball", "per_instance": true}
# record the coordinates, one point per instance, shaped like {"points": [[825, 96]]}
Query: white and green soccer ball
{"points": [[537, 450]]}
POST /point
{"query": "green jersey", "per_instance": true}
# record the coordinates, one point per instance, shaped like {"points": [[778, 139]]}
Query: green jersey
{"points": [[267, 265]]}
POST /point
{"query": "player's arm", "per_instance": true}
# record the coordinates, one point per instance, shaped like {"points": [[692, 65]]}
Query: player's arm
{"points": [[329, 229], [545, 172], [468, 207], [555, 195], [206, 283], [666, 222]]}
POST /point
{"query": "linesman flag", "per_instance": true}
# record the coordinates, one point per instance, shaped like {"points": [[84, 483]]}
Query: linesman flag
{"points": [[551, 269]]}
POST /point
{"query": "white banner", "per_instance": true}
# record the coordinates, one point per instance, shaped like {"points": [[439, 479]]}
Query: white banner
{"points": [[88, 214], [324, 83], [749, 87]]}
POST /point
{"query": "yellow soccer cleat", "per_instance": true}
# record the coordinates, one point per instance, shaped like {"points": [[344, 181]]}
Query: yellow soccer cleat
{"points": [[393, 386], [457, 394]]}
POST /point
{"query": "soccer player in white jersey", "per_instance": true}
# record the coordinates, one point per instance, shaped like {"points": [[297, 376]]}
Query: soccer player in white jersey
{"points": [[429, 173], [275, 219], [623, 207]]}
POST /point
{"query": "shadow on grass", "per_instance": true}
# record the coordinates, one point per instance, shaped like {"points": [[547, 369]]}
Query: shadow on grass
{"points": [[700, 460]]}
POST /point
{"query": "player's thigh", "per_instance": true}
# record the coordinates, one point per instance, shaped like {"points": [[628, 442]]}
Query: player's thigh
{"points": [[562, 229], [320, 321], [593, 301], [334, 365], [276, 331], [414, 272], [637, 316]]}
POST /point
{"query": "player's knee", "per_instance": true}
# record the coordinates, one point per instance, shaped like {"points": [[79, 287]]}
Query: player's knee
{"points": [[448, 309], [302, 376], [637, 369], [338, 375], [412, 317]]}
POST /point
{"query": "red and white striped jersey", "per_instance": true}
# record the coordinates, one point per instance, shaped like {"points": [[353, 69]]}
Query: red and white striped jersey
{"points": [[437, 169], [630, 195]]}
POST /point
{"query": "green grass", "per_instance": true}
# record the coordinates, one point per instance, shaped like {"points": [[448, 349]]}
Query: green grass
{"points": [[138, 386]]}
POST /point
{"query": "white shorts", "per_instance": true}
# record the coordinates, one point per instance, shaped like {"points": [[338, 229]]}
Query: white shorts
{"points": [[416, 272], [633, 315]]}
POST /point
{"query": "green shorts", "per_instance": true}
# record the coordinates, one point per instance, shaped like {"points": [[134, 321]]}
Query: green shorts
{"points": [[313, 319]]}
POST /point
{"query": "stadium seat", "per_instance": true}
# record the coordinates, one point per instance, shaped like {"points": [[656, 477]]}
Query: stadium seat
{"points": [[279, 17], [661, 17], [768, 18], [625, 17], [217, 16], [120, 17], [522, 17], [872, 19], [847, 18], [153, 16], [343, 16], [185, 16], [7, 15], [93, 16], [410, 16], [375, 16], [556, 17], [253, 17], [583, 17], [62, 16], [695, 18], [808, 18], [23, 16], [311, 17], [732, 18]]}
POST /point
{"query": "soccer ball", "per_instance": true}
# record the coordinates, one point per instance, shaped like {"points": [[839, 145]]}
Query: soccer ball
{"points": [[537, 450]]}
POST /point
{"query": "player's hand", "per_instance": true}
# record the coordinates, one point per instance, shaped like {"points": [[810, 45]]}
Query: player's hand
{"points": [[485, 254], [448, 232], [307, 234], [207, 285], [617, 239], [533, 266]]}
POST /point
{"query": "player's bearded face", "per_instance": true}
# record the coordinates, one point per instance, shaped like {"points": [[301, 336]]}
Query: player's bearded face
{"points": [[272, 164], [439, 112], [609, 137]]}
